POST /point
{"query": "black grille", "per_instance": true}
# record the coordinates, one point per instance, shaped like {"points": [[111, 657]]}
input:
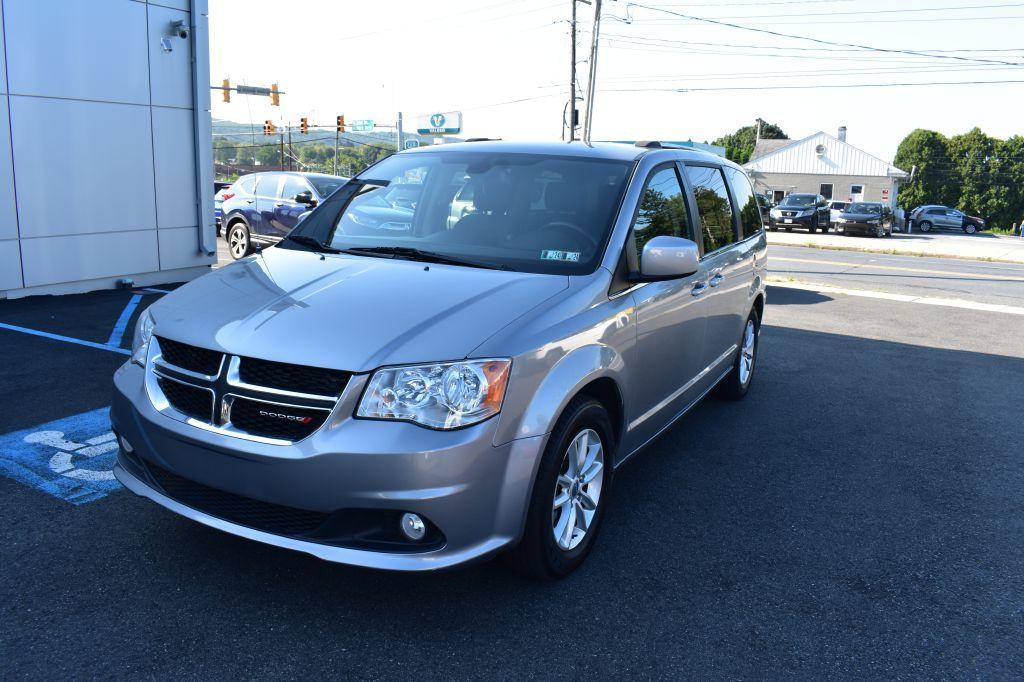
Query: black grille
{"points": [[297, 378], [274, 421], [195, 402], [272, 518], [192, 358]]}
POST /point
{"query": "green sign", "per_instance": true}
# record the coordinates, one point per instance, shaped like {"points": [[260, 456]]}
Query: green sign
{"points": [[362, 126]]}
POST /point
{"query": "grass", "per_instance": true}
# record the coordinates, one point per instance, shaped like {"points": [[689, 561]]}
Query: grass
{"points": [[894, 252]]}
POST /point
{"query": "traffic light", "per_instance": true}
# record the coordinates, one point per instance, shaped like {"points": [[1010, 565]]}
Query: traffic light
{"points": [[275, 96], [226, 89], [269, 128], [304, 125], [341, 124]]}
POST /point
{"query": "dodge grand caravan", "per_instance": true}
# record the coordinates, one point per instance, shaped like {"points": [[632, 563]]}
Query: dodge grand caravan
{"points": [[419, 399]]}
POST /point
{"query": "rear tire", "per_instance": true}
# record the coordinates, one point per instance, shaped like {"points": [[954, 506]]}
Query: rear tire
{"points": [[736, 384], [239, 240], [539, 554]]}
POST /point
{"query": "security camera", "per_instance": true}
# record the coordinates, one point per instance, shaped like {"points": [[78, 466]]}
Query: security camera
{"points": [[180, 29]]}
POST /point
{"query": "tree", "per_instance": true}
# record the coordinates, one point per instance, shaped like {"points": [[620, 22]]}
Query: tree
{"points": [[934, 181], [740, 145]]}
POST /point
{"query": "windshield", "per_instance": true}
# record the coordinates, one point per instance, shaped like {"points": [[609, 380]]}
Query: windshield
{"points": [[864, 208], [799, 200], [325, 185], [525, 212]]}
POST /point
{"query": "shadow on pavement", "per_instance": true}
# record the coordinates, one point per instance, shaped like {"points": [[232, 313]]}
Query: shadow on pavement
{"points": [[786, 296]]}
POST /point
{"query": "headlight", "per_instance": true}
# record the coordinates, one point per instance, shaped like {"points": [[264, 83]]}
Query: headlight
{"points": [[842, 220], [775, 213], [443, 395], [143, 335]]}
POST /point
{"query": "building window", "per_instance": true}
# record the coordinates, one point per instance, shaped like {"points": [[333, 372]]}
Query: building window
{"points": [[825, 190], [856, 192]]}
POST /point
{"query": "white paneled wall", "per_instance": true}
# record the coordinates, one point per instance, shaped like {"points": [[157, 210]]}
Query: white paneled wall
{"points": [[98, 157]]}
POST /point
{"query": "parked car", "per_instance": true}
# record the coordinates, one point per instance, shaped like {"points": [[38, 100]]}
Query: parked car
{"points": [[865, 217], [218, 201], [934, 216], [800, 210], [264, 207], [835, 207], [418, 400]]}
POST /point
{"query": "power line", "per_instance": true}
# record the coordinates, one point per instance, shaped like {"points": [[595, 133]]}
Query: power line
{"points": [[830, 86], [819, 41], [873, 11]]}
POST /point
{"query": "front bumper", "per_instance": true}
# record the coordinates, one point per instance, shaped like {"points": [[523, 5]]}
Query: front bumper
{"points": [[474, 492], [857, 228], [800, 221]]}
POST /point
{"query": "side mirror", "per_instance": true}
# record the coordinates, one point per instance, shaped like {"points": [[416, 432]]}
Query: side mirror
{"points": [[668, 258], [305, 198]]}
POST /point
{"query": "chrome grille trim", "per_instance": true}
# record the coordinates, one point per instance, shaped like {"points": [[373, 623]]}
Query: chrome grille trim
{"points": [[227, 378]]}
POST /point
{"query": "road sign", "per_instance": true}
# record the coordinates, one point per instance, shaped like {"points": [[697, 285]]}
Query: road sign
{"points": [[251, 90], [361, 126], [447, 123], [410, 144]]}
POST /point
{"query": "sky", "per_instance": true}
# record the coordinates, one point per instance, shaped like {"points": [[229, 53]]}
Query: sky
{"points": [[505, 65]]}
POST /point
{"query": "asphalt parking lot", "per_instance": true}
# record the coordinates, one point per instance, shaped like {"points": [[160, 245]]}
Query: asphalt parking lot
{"points": [[859, 514]]}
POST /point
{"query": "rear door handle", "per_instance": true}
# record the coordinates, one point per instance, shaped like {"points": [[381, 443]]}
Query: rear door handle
{"points": [[280, 203], [250, 201], [716, 280], [699, 288]]}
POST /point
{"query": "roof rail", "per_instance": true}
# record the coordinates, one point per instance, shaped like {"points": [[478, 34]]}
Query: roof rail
{"points": [[647, 144], [482, 139]]}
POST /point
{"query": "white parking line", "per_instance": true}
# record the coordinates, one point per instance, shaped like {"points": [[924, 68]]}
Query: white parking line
{"points": [[903, 298]]}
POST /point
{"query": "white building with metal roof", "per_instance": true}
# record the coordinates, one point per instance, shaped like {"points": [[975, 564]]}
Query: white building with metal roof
{"points": [[823, 164]]}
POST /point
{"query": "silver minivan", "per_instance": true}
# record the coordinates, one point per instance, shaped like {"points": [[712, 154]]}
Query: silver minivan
{"points": [[421, 399]]}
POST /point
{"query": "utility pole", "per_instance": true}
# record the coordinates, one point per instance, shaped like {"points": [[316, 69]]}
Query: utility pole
{"points": [[588, 122], [572, 73], [291, 152], [757, 132], [280, 157], [399, 133]]}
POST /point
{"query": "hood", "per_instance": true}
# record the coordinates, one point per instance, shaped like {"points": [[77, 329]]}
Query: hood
{"points": [[348, 312], [860, 216]]}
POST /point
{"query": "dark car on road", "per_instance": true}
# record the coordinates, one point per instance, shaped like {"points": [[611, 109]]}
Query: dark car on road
{"points": [[932, 217], [264, 207], [809, 211], [865, 217]]}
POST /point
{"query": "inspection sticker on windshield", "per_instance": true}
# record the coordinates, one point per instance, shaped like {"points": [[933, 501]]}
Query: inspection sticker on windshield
{"points": [[570, 256]]}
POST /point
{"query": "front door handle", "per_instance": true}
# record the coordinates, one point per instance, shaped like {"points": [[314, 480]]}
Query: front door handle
{"points": [[279, 204], [249, 201], [716, 280], [699, 288]]}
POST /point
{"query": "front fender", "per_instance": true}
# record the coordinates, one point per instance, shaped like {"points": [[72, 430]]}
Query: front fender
{"points": [[549, 397]]}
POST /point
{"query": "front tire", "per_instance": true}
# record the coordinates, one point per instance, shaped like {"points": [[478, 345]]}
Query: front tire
{"points": [[925, 226], [736, 384], [239, 240], [570, 493], [970, 228]]}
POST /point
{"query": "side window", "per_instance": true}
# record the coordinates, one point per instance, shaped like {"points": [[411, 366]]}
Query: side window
{"points": [[266, 185], [750, 214], [291, 186], [662, 209], [713, 206], [245, 185]]}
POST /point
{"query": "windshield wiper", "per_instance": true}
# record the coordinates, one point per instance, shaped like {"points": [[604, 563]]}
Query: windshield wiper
{"points": [[421, 255], [311, 243]]}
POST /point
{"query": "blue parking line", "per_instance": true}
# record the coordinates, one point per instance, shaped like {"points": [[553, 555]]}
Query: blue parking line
{"points": [[66, 339], [117, 333]]}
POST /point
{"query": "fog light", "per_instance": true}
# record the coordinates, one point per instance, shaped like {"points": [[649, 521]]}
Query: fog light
{"points": [[413, 527], [125, 445]]}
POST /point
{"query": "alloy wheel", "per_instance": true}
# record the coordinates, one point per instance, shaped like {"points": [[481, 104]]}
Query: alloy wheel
{"points": [[747, 352], [577, 490], [238, 242]]}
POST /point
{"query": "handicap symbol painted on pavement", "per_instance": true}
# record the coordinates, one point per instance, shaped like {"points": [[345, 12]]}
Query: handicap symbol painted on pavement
{"points": [[70, 458]]}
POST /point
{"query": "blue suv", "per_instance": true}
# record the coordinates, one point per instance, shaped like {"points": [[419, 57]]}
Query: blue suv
{"points": [[266, 206]]}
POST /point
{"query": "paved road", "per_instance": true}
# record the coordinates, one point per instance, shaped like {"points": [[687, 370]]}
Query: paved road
{"points": [[858, 515], [997, 283]]}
